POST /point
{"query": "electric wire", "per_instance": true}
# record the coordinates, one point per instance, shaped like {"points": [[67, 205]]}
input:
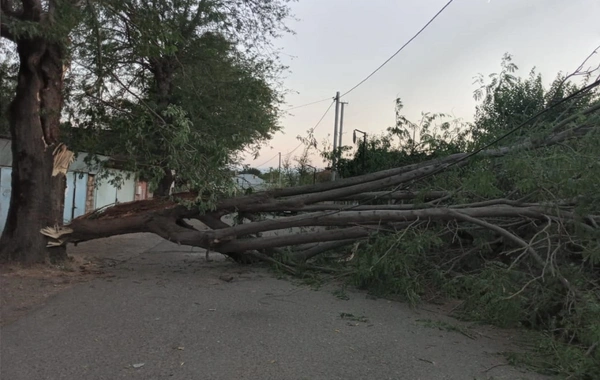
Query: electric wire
{"points": [[399, 50], [307, 104], [361, 82], [313, 128], [382, 65], [301, 143], [365, 79], [269, 160]]}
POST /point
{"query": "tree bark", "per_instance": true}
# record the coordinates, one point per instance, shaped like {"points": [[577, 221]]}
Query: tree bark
{"points": [[163, 69], [164, 185], [37, 196]]}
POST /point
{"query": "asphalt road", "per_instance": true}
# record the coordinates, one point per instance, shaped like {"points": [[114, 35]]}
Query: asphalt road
{"points": [[166, 313]]}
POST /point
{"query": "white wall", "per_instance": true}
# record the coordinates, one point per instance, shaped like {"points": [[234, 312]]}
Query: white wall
{"points": [[107, 194]]}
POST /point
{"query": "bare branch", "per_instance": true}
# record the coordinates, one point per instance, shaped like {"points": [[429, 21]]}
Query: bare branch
{"points": [[309, 253], [515, 239], [346, 218]]}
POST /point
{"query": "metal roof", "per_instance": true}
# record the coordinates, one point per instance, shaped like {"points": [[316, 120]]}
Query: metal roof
{"points": [[78, 164], [249, 180]]}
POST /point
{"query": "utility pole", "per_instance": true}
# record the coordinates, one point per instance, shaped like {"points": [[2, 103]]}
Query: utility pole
{"points": [[335, 134], [279, 169], [314, 173], [364, 153], [341, 124]]}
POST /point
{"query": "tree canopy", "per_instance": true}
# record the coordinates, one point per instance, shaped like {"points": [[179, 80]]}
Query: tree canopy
{"points": [[173, 90], [180, 86]]}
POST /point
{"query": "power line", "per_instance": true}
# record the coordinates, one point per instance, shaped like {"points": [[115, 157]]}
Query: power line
{"points": [[307, 104], [399, 50], [532, 118], [313, 128], [368, 76], [302, 143], [269, 160]]}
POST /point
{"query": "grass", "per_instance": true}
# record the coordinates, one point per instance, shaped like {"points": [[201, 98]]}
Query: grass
{"points": [[341, 294]]}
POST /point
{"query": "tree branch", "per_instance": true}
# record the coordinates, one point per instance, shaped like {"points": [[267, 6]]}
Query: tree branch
{"points": [[309, 253], [296, 239], [515, 239], [346, 218]]}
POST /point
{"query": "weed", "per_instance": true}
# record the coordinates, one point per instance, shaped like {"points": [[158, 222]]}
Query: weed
{"points": [[546, 355], [492, 291], [311, 279], [341, 294]]}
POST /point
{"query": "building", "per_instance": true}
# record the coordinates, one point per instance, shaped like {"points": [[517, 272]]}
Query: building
{"points": [[249, 181], [87, 189]]}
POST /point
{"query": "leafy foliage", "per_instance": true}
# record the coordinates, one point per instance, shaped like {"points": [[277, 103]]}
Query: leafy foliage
{"points": [[497, 282], [8, 84], [177, 86], [436, 135]]}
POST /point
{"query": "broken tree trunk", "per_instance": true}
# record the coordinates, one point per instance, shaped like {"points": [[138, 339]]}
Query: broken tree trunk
{"points": [[37, 194]]}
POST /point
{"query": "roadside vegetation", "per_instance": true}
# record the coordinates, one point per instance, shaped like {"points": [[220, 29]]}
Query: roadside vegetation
{"points": [[497, 281]]}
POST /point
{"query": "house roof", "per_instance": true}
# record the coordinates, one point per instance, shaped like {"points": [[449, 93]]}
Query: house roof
{"points": [[248, 180], [78, 164]]}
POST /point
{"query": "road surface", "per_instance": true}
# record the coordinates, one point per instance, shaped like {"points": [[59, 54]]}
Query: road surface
{"points": [[163, 312]]}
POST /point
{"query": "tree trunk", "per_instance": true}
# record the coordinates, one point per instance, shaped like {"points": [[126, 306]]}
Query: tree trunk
{"points": [[37, 195], [57, 196], [162, 69], [164, 185]]}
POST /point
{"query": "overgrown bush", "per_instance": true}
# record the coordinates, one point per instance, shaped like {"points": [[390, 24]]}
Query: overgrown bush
{"points": [[499, 282]]}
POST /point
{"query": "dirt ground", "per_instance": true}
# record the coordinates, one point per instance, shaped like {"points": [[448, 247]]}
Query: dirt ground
{"points": [[23, 289]]}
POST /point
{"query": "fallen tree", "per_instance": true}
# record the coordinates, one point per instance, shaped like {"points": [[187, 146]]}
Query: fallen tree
{"points": [[512, 231], [321, 205]]}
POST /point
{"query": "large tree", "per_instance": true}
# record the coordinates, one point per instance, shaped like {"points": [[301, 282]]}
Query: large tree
{"points": [[186, 80], [39, 29], [177, 84]]}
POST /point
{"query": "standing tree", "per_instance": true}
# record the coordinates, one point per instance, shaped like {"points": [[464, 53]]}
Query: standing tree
{"points": [[180, 84], [40, 31]]}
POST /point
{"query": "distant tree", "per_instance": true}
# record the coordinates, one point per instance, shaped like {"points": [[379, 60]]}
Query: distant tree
{"points": [[508, 100], [306, 172], [435, 135]]}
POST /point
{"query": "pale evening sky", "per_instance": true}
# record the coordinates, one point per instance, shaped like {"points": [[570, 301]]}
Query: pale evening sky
{"points": [[338, 42]]}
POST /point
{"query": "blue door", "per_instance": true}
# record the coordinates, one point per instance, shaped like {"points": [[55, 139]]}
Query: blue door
{"points": [[75, 195], [4, 195]]}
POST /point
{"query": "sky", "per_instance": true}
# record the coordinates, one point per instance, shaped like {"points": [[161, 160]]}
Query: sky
{"points": [[337, 43]]}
